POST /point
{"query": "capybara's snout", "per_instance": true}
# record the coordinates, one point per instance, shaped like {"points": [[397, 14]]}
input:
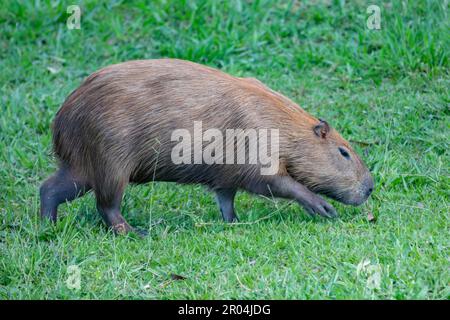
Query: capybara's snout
{"points": [[363, 192]]}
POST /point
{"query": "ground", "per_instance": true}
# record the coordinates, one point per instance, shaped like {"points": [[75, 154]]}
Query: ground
{"points": [[385, 90]]}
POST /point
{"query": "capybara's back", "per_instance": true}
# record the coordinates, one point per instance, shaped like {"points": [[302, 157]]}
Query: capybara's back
{"points": [[121, 117], [118, 128]]}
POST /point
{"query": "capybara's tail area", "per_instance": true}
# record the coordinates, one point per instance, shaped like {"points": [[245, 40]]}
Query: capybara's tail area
{"points": [[77, 145], [68, 140], [61, 138], [69, 125]]}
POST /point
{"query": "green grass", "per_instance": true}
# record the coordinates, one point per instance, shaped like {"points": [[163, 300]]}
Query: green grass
{"points": [[386, 89]]}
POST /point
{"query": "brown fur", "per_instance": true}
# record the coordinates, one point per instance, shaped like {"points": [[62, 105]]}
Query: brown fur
{"points": [[115, 129]]}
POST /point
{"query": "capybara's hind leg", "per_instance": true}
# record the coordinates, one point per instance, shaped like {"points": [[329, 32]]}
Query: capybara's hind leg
{"points": [[63, 186], [108, 205], [225, 200]]}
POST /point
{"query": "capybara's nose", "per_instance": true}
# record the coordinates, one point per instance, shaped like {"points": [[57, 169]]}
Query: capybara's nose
{"points": [[369, 185]]}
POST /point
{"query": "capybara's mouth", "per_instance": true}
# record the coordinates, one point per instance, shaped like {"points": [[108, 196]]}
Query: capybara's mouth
{"points": [[354, 199], [357, 202]]}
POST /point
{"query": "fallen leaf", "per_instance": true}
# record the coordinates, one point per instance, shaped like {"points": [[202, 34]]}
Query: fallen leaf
{"points": [[53, 70], [371, 217], [147, 286]]}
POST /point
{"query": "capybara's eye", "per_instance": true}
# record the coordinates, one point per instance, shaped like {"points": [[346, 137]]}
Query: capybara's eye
{"points": [[344, 153]]}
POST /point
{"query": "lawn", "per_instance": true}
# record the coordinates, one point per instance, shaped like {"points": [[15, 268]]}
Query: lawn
{"points": [[385, 90]]}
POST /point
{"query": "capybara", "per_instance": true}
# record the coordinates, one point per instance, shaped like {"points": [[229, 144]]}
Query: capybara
{"points": [[117, 128]]}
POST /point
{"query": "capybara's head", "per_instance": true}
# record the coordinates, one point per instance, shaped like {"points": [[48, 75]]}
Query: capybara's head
{"points": [[327, 164]]}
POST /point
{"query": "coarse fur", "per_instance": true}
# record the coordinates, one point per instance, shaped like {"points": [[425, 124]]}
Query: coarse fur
{"points": [[116, 129]]}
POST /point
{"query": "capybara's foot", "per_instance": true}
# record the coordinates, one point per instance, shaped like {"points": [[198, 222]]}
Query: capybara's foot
{"points": [[225, 200], [315, 205], [121, 228], [110, 212], [124, 229]]}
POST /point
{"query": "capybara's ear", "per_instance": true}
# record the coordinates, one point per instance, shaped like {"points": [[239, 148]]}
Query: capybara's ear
{"points": [[322, 129]]}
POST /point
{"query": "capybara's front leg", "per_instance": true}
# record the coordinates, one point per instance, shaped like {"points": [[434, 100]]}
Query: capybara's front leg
{"points": [[286, 187], [63, 186], [225, 200]]}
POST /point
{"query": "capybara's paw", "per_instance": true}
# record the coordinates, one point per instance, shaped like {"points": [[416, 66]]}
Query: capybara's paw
{"points": [[125, 229], [121, 228], [317, 206]]}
